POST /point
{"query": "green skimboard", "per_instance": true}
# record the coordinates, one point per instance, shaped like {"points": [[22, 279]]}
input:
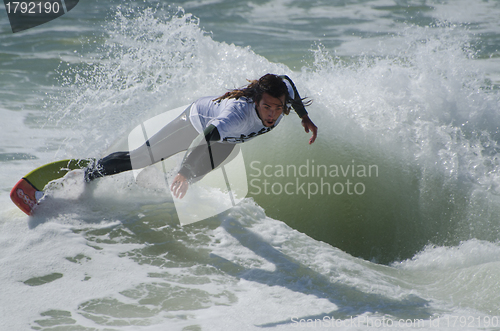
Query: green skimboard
{"points": [[28, 191]]}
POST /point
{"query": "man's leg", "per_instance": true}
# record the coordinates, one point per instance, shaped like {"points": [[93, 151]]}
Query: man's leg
{"points": [[175, 137]]}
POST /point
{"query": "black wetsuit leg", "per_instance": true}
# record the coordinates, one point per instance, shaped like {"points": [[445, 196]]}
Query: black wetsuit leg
{"points": [[112, 164], [175, 137]]}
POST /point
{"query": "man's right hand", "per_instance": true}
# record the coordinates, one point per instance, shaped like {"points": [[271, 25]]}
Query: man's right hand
{"points": [[180, 186]]}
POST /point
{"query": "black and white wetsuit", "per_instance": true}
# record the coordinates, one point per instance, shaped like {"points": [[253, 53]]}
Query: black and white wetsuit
{"points": [[223, 124]]}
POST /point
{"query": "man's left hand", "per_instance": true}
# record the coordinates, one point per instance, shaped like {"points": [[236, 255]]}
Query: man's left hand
{"points": [[309, 126]]}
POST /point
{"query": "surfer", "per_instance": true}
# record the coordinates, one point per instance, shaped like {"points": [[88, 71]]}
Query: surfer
{"points": [[221, 122]]}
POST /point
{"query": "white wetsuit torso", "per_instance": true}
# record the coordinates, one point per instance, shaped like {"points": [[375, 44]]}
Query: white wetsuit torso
{"points": [[236, 119]]}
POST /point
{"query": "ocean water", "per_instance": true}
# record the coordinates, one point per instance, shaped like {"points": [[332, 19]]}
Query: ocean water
{"points": [[390, 220]]}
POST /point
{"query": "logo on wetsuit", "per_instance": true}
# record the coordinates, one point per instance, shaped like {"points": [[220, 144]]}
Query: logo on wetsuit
{"points": [[244, 138]]}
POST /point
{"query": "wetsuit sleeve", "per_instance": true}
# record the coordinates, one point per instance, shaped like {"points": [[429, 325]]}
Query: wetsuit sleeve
{"points": [[297, 104], [211, 133], [200, 160]]}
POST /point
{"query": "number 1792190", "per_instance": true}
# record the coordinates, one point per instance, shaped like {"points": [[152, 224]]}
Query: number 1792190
{"points": [[42, 7]]}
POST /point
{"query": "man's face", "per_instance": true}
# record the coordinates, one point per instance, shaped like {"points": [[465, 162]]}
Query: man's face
{"points": [[270, 108]]}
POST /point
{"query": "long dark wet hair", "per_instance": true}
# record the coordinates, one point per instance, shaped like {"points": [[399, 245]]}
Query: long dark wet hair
{"points": [[269, 83]]}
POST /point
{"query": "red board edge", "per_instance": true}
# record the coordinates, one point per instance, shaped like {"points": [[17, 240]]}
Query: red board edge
{"points": [[23, 194]]}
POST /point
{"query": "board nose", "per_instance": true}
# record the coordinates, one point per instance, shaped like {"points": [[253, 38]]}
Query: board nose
{"points": [[23, 194]]}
